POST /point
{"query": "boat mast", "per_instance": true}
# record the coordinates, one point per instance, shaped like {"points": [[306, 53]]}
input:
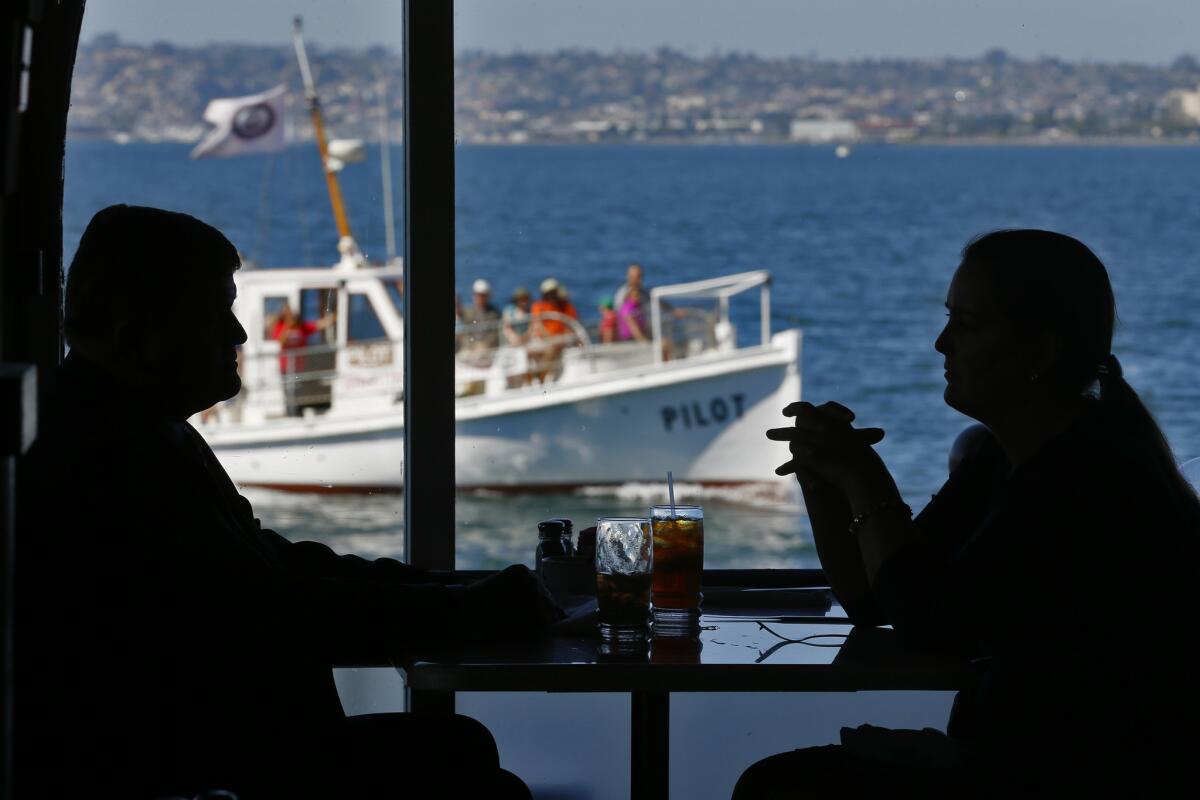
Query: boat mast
{"points": [[346, 245]]}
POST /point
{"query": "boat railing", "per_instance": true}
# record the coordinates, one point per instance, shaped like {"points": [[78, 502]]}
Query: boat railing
{"points": [[495, 356], [491, 357], [297, 381]]}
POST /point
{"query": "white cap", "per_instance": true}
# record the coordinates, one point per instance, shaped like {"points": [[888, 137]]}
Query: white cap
{"points": [[481, 286], [548, 285]]}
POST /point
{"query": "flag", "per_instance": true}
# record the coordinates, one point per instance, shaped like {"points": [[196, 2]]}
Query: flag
{"points": [[251, 124]]}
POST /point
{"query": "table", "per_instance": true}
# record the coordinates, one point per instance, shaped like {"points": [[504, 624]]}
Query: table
{"points": [[738, 649]]}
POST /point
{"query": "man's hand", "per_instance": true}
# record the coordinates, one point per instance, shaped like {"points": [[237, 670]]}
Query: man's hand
{"points": [[825, 447], [513, 602]]}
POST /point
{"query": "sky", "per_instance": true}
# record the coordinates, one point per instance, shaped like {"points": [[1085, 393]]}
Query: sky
{"points": [[1148, 31]]}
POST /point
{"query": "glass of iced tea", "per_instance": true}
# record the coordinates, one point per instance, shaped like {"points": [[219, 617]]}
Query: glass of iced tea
{"points": [[678, 564], [624, 558]]}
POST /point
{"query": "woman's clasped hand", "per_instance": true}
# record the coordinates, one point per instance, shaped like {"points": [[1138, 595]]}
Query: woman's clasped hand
{"points": [[825, 447]]}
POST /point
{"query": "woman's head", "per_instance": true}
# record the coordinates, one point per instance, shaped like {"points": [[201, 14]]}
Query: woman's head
{"points": [[1031, 319]]}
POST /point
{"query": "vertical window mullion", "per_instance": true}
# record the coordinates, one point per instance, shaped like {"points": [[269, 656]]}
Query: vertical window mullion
{"points": [[429, 283]]}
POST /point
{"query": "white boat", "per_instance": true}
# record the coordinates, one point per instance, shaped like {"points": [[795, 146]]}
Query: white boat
{"points": [[549, 413], [688, 400]]}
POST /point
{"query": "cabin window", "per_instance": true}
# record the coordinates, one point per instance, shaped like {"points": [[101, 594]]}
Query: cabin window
{"points": [[272, 307], [365, 325]]}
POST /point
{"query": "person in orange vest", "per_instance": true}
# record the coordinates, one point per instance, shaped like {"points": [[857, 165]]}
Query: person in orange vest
{"points": [[550, 326]]}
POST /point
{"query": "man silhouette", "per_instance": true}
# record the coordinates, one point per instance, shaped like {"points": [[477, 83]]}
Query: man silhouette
{"points": [[167, 643]]}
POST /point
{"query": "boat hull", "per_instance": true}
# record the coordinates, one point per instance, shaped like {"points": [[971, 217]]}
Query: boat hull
{"points": [[702, 421]]}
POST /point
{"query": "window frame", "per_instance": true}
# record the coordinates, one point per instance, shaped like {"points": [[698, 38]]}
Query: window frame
{"points": [[429, 274]]}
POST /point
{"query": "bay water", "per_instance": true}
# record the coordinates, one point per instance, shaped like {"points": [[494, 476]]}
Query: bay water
{"points": [[861, 250]]}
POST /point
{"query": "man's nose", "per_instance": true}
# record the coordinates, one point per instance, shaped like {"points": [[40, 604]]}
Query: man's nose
{"points": [[239, 333]]}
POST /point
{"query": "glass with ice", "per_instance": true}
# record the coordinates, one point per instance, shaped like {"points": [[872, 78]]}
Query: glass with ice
{"points": [[678, 565], [624, 558]]}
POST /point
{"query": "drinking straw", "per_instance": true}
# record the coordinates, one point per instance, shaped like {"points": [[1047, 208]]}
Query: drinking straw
{"points": [[671, 492]]}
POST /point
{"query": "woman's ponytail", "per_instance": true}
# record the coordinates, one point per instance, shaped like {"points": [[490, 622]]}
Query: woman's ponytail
{"points": [[1126, 413]]}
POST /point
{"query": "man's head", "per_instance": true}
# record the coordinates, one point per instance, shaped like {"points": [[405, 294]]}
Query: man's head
{"points": [[287, 315], [482, 291], [633, 275], [549, 289], [149, 298], [521, 297]]}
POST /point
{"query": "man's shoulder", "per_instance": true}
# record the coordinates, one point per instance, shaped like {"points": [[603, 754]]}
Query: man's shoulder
{"points": [[96, 430], [474, 314]]}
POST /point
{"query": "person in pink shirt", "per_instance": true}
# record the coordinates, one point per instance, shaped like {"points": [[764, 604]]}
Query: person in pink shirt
{"points": [[631, 317]]}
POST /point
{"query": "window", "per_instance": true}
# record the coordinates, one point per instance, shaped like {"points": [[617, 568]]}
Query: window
{"points": [[800, 141], [140, 91], [364, 322]]}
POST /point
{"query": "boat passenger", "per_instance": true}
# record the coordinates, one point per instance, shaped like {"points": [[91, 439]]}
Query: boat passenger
{"points": [[168, 645], [550, 328], [1063, 552], [631, 317], [608, 320], [481, 325], [292, 334], [634, 277], [554, 306], [516, 317]]}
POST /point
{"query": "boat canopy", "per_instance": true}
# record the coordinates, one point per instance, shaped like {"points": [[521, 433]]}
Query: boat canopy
{"points": [[720, 289]]}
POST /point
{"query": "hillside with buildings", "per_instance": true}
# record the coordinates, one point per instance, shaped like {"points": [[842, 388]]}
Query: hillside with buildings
{"points": [[158, 93]]}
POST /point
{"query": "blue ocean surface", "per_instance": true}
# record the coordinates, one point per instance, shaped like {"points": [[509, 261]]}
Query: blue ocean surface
{"points": [[861, 250]]}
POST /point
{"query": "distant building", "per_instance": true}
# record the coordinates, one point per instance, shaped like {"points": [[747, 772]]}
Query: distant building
{"points": [[820, 131], [773, 124], [1183, 106]]}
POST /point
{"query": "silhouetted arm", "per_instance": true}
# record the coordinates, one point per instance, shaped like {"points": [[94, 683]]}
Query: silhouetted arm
{"points": [[838, 551], [318, 560]]}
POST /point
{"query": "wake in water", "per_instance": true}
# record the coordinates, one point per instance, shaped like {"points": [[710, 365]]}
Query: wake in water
{"points": [[750, 526], [776, 495]]}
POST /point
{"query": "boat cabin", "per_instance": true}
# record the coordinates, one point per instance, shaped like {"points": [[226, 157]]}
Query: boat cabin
{"points": [[355, 364]]}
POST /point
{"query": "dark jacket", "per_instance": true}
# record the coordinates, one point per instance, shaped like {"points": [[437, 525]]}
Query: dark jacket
{"points": [[166, 642]]}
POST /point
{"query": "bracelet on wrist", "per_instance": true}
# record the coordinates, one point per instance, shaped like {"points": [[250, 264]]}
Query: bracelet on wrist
{"points": [[885, 505]]}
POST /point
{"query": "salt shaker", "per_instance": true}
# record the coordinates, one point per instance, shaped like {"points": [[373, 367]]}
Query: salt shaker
{"points": [[554, 540]]}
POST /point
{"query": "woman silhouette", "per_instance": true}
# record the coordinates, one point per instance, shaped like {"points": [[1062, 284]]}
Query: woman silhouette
{"points": [[1062, 552]]}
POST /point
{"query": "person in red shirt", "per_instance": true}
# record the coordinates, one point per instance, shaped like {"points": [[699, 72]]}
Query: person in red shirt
{"points": [[608, 320], [292, 334]]}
